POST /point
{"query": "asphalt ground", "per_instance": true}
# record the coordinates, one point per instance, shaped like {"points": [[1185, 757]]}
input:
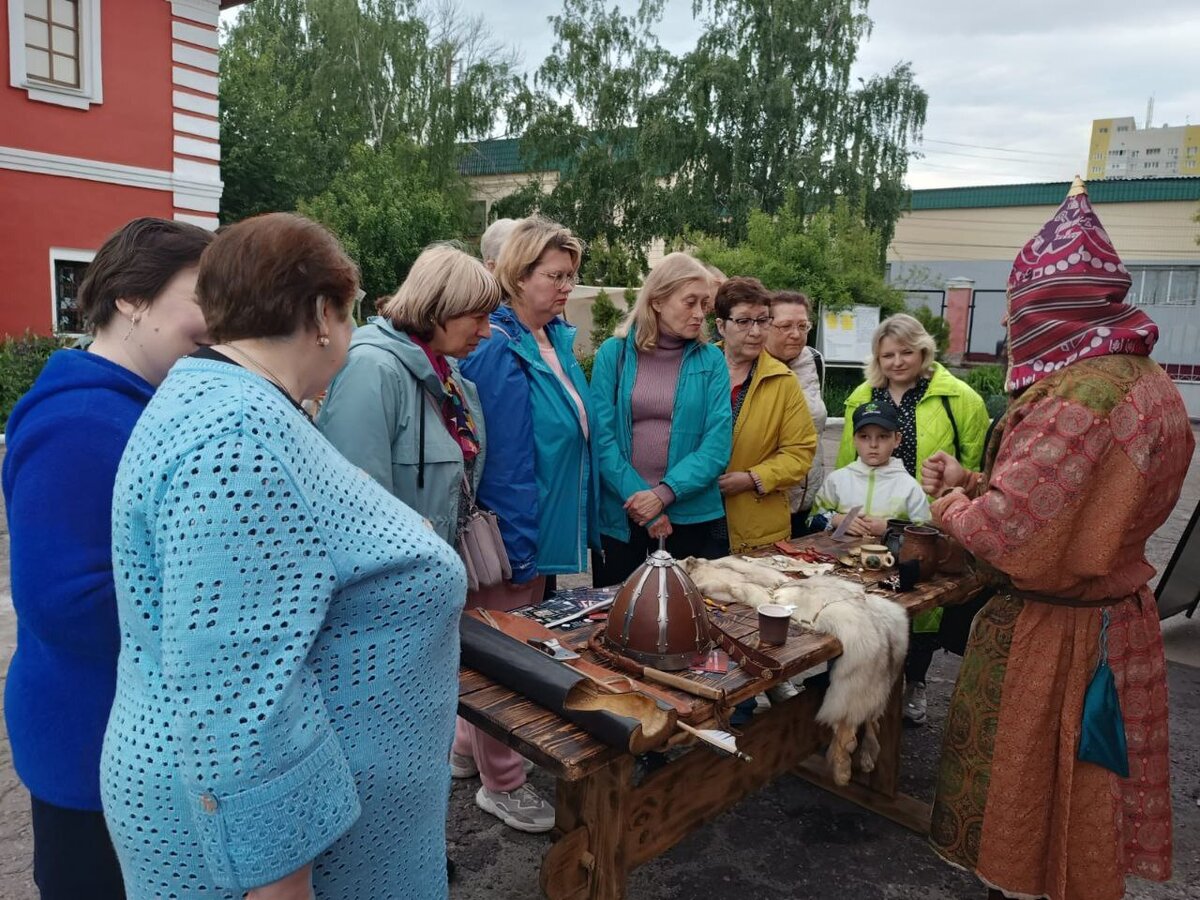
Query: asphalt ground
{"points": [[790, 840]]}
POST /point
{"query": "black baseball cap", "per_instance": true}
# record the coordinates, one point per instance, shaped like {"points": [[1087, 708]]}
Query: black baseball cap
{"points": [[872, 413]]}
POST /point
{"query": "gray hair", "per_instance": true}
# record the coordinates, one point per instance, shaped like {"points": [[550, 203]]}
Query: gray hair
{"points": [[493, 240]]}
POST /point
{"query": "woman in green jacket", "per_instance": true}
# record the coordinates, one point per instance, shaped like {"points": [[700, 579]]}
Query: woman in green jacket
{"points": [[399, 409], [937, 412], [663, 425]]}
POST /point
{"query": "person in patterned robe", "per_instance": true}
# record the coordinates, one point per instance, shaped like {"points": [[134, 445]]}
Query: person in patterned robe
{"points": [[1088, 461]]}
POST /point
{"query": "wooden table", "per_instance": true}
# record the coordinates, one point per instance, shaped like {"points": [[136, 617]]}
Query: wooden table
{"points": [[607, 825]]}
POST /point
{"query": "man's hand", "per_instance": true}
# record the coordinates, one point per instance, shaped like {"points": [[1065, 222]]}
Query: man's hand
{"points": [[943, 505], [643, 507], [941, 471], [732, 483]]}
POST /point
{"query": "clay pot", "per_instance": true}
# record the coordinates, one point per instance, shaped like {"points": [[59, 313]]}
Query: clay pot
{"points": [[927, 546]]}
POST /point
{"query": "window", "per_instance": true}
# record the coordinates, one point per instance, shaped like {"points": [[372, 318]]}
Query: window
{"points": [[1153, 151], [1104, 130], [1096, 170], [1097, 156], [1122, 128], [1165, 285], [1173, 151], [54, 50], [1133, 154], [1192, 151], [1150, 165], [67, 268]]}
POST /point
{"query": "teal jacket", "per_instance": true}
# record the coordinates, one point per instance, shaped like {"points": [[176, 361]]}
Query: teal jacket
{"points": [[701, 434], [384, 403], [539, 481], [934, 429]]}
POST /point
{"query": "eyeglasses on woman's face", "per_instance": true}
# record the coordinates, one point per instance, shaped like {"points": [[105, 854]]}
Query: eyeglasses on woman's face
{"points": [[792, 327], [562, 280], [745, 324]]}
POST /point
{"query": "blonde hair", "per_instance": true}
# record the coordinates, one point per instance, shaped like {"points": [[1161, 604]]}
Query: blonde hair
{"points": [[444, 283], [526, 243], [908, 332], [672, 274]]}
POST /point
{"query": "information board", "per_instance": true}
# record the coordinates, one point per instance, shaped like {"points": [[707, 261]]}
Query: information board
{"points": [[845, 335]]}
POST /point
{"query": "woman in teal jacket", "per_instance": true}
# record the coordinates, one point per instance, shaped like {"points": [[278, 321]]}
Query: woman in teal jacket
{"points": [[936, 412], [664, 425], [399, 409]]}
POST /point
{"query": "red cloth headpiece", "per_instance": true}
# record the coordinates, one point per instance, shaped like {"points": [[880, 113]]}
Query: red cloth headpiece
{"points": [[1065, 297]]}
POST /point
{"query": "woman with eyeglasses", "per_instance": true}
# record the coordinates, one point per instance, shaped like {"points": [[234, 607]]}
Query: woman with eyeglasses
{"points": [[539, 479], [773, 435], [663, 425], [787, 341]]}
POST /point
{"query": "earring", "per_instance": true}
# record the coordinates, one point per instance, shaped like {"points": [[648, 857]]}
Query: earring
{"points": [[323, 340], [135, 318]]}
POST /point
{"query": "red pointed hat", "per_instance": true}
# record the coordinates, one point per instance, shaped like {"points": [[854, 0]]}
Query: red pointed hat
{"points": [[1065, 297]]}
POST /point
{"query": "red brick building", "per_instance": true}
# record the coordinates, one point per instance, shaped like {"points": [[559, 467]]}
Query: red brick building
{"points": [[108, 112]]}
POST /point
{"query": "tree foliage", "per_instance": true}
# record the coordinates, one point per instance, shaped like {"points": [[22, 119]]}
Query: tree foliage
{"points": [[831, 257], [304, 81], [386, 207]]}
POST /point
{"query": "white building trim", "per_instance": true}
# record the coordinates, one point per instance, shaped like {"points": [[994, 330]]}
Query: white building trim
{"points": [[194, 34], [195, 147], [207, 12], [201, 182], [91, 82], [206, 106], [197, 81], [209, 222], [206, 128], [197, 59]]}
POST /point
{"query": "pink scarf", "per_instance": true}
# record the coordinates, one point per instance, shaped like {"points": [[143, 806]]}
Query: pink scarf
{"points": [[1065, 297]]}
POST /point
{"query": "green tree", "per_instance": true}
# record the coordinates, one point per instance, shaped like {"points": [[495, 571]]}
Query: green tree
{"points": [[584, 115], [605, 318], [303, 81], [938, 328], [831, 257], [386, 206]]}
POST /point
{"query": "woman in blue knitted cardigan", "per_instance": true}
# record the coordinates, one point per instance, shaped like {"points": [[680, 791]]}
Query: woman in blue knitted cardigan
{"points": [[65, 438], [289, 629]]}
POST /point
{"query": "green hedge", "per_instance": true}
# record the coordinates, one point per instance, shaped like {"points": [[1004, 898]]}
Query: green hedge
{"points": [[21, 359]]}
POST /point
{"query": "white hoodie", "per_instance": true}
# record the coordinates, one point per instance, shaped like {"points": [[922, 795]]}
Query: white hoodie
{"points": [[887, 492]]}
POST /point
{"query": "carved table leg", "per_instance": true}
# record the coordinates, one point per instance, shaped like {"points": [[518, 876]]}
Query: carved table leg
{"points": [[588, 861]]}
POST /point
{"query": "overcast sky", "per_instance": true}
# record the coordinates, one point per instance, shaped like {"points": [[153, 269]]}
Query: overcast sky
{"points": [[1013, 84]]}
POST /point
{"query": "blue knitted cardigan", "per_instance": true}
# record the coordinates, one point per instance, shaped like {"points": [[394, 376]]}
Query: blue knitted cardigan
{"points": [[64, 441], [287, 682]]}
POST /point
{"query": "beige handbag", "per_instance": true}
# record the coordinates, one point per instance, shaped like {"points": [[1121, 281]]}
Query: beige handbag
{"points": [[481, 546]]}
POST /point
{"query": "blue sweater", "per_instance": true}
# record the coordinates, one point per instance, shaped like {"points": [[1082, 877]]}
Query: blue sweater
{"points": [[287, 682], [65, 439]]}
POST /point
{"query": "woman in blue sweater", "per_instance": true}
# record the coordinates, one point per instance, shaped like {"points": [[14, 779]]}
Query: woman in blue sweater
{"points": [[65, 438], [289, 629]]}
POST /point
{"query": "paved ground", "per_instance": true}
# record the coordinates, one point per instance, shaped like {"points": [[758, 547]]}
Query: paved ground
{"points": [[789, 841]]}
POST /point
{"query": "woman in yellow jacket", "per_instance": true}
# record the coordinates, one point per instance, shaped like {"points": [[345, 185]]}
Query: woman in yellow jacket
{"points": [[774, 440]]}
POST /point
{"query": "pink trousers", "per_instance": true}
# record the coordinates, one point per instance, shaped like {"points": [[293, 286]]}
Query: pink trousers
{"points": [[500, 767]]}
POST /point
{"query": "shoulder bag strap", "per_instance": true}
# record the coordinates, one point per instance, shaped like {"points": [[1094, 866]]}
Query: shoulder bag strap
{"points": [[953, 425]]}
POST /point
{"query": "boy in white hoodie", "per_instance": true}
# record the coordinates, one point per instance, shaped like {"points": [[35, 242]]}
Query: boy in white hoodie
{"points": [[875, 481]]}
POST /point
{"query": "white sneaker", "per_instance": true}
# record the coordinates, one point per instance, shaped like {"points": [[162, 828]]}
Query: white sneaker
{"points": [[916, 710], [522, 809], [785, 690], [462, 766]]}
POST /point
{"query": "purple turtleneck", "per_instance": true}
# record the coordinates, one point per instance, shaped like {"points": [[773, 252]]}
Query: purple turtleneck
{"points": [[653, 404]]}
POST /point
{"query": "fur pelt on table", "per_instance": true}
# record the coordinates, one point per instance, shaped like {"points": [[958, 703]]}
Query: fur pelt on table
{"points": [[873, 632]]}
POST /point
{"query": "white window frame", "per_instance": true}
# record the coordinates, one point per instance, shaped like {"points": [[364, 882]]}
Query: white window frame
{"points": [[91, 87], [64, 254]]}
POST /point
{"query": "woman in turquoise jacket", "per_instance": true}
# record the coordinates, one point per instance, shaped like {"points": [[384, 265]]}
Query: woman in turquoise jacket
{"points": [[936, 412], [399, 409], [664, 425]]}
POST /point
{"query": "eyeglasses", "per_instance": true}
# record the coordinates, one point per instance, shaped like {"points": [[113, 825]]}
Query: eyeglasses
{"points": [[790, 327], [562, 279], [747, 324]]}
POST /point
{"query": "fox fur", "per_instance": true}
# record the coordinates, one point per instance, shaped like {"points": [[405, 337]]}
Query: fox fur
{"points": [[873, 632]]}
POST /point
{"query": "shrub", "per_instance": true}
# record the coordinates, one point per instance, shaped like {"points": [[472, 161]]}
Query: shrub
{"points": [[986, 380], [839, 384], [21, 361]]}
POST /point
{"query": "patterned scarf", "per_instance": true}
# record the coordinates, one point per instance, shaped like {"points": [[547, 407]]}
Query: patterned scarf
{"points": [[1065, 297], [455, 412]]}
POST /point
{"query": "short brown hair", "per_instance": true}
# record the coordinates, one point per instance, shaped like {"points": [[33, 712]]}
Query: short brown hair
{"points": [[740, 289], [526, 243], [799, 298], [136, 263], [262, 276], [444, 283]]}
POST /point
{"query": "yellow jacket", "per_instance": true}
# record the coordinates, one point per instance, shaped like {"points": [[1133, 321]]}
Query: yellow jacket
{"points": [[773, 439]]}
